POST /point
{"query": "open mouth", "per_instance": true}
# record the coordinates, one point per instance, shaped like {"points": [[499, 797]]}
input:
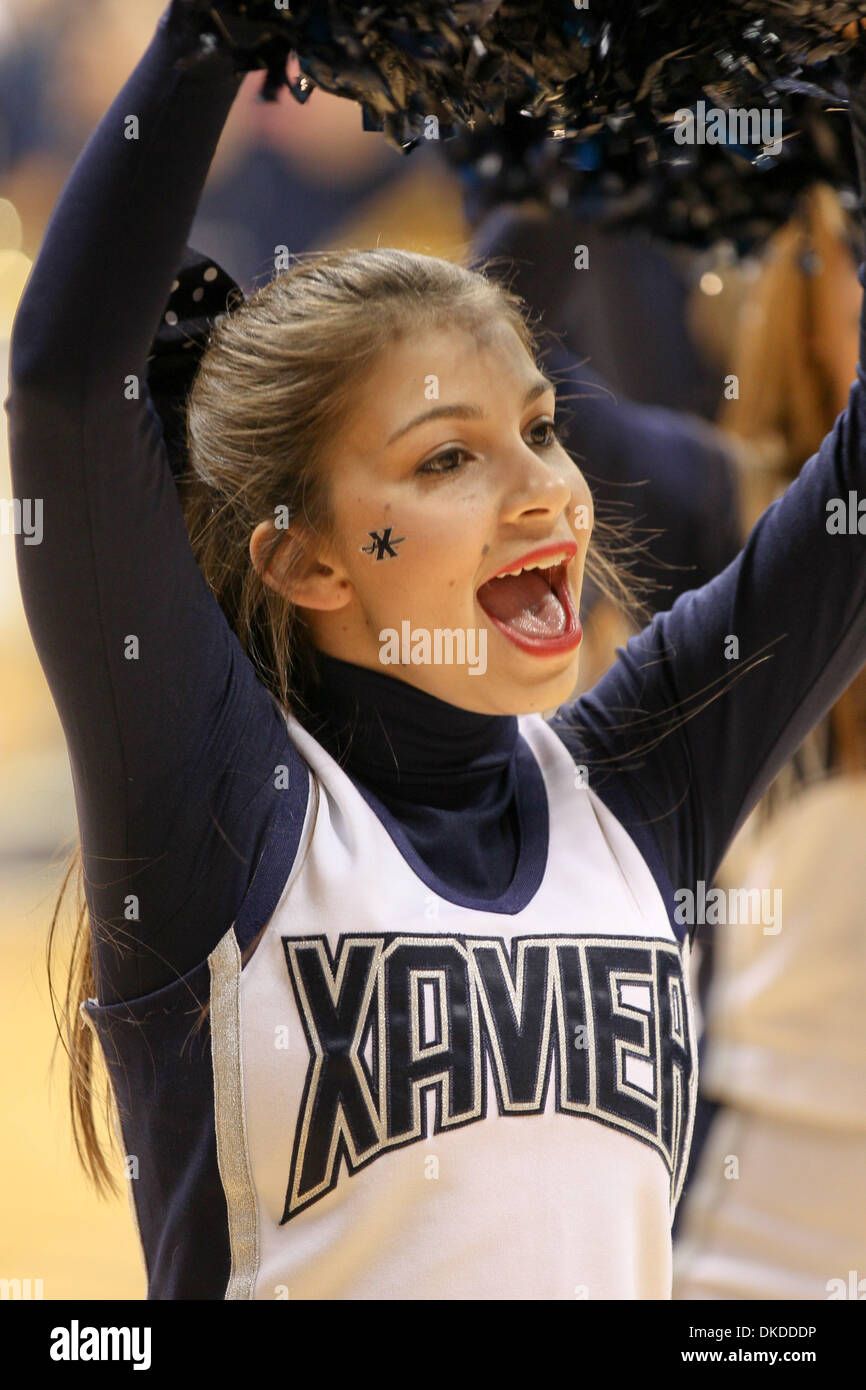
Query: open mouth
{"points": [[531, 601]]}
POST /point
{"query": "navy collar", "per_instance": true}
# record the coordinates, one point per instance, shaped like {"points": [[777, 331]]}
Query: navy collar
{"points": [[402, 742]]}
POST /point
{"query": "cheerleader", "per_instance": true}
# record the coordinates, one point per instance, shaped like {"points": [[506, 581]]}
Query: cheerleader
{"points": [[385, 967]]}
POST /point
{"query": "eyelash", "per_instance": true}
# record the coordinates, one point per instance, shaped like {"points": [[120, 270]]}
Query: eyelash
{"points": [[553, 438]]}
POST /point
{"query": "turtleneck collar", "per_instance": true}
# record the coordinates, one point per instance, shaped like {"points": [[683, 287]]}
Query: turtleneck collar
{"points": [[402, 742]]}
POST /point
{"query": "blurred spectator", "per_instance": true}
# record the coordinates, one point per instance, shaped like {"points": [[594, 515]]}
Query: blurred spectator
{"points": [[284, 174], [772, 1207], [795, 357]]}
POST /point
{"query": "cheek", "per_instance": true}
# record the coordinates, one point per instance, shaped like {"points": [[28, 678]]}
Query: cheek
{"points": [[430, 548]]}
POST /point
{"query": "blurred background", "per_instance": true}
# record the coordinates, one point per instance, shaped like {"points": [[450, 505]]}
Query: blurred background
{"points": [[662, 331]]}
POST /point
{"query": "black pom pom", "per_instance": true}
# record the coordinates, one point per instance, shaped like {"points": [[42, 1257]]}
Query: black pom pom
{"points": [[604, 82], [469, 58], [634, 174]]}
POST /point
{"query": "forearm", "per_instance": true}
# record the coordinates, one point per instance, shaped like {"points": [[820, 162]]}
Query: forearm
{"points": [[115, 557]]}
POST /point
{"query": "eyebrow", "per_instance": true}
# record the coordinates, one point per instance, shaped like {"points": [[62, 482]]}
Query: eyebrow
{"points": [[461, 411]]}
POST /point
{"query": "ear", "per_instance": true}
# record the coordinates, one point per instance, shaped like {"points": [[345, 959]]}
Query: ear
{"points": [[297, 568]]}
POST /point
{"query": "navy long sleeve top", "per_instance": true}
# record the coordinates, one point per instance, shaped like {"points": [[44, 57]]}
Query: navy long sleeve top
{"points": [[173, 754]]}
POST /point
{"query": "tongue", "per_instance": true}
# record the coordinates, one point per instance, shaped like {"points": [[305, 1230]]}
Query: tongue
{"points": [[524, 602]]}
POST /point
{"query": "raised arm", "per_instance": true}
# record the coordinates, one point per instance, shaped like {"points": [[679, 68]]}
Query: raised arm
{"points": [[172, 741], [783, 627]]}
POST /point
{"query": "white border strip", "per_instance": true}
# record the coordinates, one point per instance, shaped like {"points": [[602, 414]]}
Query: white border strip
{"points": [[229, 1117]]}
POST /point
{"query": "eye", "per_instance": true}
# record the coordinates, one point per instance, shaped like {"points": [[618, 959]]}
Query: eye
{"points": [[446, 462], [550, 434], [449, 460]]}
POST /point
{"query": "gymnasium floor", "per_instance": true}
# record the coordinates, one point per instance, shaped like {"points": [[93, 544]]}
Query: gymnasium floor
{"points": [[53, 1227]]}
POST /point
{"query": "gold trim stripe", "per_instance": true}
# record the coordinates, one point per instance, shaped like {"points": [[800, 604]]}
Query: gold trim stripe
{"points": [[229, 1117]]}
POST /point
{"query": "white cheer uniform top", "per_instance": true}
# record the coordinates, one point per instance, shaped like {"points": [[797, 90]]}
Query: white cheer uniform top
{"points": [[420, 1100]]}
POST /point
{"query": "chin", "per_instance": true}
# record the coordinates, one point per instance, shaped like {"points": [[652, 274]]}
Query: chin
{"points": [[538, 693], [553, 693]]}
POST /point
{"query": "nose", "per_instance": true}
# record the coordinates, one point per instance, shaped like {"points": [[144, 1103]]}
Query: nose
{"points": [[537, 491]]}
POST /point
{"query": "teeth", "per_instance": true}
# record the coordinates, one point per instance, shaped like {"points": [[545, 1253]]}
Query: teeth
{"points": [[547, 564]]}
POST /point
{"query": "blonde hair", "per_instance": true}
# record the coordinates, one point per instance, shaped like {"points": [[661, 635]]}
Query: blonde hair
{"points": [[272, 390]]}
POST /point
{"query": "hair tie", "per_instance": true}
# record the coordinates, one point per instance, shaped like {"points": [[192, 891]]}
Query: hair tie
{"points": [[198, 300]]}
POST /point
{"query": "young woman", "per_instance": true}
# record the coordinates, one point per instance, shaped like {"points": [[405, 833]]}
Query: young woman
{"points": [[387, 969]]}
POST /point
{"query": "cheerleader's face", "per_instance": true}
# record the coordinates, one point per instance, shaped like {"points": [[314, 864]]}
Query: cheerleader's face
{"points": [[448, 474]]}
